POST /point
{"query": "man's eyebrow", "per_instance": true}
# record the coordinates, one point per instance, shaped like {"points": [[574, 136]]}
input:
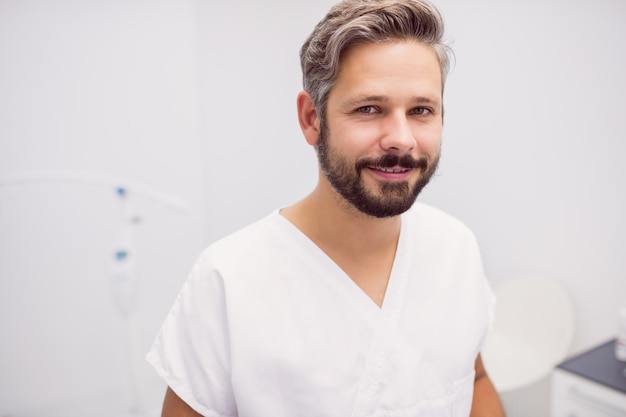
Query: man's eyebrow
{"points": [[363, 100], [360, 100], [426, 100]]}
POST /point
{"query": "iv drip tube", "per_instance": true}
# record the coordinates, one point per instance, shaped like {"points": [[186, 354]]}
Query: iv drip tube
{"points": [[161, 198]]}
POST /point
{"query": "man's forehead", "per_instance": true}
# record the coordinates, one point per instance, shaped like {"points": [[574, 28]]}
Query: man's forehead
{"points": [[378, 63], [378, 83]]}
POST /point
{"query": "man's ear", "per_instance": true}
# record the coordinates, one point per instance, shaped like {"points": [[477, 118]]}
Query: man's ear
{"points": [[307, 116]]}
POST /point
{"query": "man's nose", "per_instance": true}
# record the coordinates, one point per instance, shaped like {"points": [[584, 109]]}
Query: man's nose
{"points": [[398, 136]]}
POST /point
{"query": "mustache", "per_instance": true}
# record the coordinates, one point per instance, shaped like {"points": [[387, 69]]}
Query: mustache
{"points": [[390, 161]]}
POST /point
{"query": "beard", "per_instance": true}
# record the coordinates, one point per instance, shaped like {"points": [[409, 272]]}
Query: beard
{"points": [[391, 198]]}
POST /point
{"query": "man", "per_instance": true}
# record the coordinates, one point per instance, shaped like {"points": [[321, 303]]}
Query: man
{"points": [[354, 301]]}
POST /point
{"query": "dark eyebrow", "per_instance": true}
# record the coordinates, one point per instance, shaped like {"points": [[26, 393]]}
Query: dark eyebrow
{"points": [[435, 104], [363, 100]]}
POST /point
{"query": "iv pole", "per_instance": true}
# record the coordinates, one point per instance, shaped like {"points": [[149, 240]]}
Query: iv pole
{"points": [[123, 282]]}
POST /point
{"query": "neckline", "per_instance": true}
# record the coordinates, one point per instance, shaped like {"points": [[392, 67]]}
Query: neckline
{"points": [[340, 281]]}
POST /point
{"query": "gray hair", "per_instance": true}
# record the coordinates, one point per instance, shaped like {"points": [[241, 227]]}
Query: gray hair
{"points": [[354, 22]]}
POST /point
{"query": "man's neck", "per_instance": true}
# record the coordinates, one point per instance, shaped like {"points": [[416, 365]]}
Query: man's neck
{"points": [[335, 225], [364, 247]]}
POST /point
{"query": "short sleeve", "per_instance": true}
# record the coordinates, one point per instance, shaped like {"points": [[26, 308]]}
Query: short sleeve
{"points": [[191, 350]]}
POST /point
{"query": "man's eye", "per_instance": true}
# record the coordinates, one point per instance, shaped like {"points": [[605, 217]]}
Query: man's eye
{"points": [[366, 109], [421, 111]]}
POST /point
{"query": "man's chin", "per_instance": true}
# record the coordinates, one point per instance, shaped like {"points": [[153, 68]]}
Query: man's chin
{"points": [[384, 206]]}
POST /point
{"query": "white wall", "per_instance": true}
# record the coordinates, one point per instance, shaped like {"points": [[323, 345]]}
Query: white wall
{"points": [[104, 87], [533, 144], [251, 76]]}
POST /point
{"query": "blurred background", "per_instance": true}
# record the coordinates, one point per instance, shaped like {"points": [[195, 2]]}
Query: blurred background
{"points": [[194, 101]]}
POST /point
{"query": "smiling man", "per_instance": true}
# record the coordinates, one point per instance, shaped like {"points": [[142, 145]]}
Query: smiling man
{"points": [[355, 301], [380, 107]]}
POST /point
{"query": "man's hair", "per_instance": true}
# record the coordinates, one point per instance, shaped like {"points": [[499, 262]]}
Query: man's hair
{"points": [[353, 22]]}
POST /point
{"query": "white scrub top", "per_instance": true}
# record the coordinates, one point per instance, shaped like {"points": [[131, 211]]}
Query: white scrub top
{"points": [[268, 325]]}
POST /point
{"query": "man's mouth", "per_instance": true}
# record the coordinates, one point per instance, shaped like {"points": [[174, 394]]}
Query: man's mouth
{"points": [[394, 164], [393, 170]]}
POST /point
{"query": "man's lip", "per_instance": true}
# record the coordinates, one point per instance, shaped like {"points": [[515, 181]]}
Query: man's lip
{"points": [[391, 170], [392, 174]]}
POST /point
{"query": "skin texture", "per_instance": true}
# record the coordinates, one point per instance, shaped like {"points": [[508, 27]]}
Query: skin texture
{"points": [[173, 406], [387, 100], [486, 402]]}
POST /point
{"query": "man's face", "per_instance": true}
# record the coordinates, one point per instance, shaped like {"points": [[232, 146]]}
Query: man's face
{"points": [[381, 141]]}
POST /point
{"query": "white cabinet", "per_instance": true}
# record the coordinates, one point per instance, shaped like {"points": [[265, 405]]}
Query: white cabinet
{"points": [[592, 384]]}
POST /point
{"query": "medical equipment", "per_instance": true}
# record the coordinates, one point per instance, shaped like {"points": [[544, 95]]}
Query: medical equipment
{"points": [[124, 283]]}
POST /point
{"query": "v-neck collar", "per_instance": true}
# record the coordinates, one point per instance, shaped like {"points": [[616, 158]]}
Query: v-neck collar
{"points": [[383, 320], [343, 284]]}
